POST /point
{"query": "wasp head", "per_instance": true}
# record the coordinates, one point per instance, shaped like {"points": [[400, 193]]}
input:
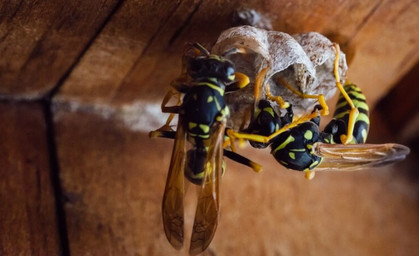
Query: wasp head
{"points": [[212, 66]]}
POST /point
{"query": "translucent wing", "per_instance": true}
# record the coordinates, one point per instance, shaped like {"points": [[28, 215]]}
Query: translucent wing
{"points": [[207, 211], [172, 207], [339, 157]]}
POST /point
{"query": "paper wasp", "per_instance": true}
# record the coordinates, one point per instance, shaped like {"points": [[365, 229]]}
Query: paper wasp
{"points": [[202, 115], [299, 145]]}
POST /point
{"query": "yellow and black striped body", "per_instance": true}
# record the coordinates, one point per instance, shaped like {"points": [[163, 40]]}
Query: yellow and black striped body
{"points": [[293, 148], [339, 124], [203, 105]]}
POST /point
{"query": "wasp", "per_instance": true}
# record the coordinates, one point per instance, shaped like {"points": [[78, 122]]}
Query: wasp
{"points": [[300, 145], [198, 147]]}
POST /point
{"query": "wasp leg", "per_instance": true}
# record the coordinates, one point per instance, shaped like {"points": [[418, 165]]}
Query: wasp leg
{"points": [[278, 99], [353, 114], [309, 175], [259, 83], [227, 153], [165, 109], [242, 160], [265, 139], [320, 97], [162, 134]]}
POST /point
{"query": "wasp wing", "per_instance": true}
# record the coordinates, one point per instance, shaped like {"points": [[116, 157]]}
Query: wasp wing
{"points": [[207, 211], [339, 157], [172, 206]]}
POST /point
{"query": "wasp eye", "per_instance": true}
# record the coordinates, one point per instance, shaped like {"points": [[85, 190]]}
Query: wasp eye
{"points": [[229, 71]]}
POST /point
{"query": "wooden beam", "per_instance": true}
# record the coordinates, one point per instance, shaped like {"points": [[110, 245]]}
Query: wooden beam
{"points": [[40, 41], [28, 221]]}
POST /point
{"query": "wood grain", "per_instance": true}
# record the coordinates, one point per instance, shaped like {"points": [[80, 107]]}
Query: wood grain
{"points": [[41, 40], [28, 220], [114, 180], [381, 33]]}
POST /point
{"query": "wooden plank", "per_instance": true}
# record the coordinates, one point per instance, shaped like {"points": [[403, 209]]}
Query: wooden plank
{"points": [[28, 220], [41, 40], [124, 41], [114, 178], [143, 73], [114, 193]]}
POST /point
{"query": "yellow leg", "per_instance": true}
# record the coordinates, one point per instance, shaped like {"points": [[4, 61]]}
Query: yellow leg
{"points": [[353, 114], [265, 139], [258, 83], [278, 99], [309, 175], [320, 97], [172, 110]]}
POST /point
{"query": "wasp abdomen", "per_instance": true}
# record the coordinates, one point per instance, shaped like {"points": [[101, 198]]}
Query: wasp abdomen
{"points": [[338, 125], [293, 147]]}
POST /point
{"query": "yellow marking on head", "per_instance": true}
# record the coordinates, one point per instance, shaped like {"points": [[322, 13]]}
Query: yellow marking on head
{"points": [[284, 144], [291, 155], [308, 135], [232, 77], [210, 99], [283, 162]]}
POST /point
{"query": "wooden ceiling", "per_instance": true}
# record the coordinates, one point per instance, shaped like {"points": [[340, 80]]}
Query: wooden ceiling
{"points": [[117, 52], [77, 183]]}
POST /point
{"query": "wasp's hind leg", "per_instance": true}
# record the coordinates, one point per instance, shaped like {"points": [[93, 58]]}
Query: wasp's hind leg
{"points": [[320, 97], [353, 114], [242, 160]]}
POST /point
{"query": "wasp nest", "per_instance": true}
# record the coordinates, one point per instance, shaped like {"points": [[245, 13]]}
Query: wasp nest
{"points": [[305, 61]]}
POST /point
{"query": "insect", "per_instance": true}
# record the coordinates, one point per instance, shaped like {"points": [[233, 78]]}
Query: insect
{"points": [[202, 115], [299, 145]]}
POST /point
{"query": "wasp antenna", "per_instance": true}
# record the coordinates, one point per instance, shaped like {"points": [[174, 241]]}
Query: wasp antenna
{"points": [[234, 51], [202, 49]]}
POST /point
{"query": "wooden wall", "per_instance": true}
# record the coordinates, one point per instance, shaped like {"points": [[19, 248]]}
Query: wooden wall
{"points": [[80, 84]]}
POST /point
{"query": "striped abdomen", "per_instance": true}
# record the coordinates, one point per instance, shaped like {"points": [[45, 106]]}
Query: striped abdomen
{"points": [[339, 124]]}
